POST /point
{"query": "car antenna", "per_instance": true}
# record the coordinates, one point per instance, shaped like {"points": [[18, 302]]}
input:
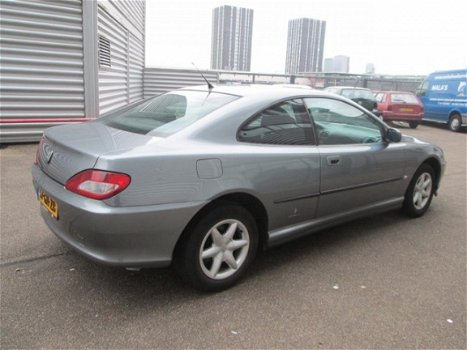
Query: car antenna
{"points": [[210, 86]]}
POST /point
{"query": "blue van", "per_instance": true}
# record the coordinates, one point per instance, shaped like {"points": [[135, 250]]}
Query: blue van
{"points": [[444, 98]]}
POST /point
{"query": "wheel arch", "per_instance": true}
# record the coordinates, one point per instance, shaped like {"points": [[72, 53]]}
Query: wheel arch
{"points": [[247, 201], [436, 166], [452, 113]]}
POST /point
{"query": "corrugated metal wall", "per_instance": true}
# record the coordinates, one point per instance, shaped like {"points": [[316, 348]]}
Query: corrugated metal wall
{"points": [[159, 80], [122, 23], [41, 65], [136, 69]]}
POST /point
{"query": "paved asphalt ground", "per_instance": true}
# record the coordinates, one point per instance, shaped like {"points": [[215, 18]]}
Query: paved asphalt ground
{"points": [[382, 282]]}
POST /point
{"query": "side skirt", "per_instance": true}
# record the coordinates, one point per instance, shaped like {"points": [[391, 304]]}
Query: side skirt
{"points": [[289, 233]]}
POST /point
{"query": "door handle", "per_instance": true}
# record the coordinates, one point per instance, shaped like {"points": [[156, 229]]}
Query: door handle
{"points": [[334, 160]]}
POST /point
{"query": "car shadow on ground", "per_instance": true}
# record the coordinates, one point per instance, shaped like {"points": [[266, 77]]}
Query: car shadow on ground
{"points": [[162, 286], [440, 126], [405, 125]]}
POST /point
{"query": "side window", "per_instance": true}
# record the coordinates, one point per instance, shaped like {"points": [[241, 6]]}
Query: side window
{"points": [[422, 89], [286, 123], [381, 97], [338, 123]]}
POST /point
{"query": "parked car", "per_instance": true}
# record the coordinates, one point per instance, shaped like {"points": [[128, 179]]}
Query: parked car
{"points": [[295, 86], [400, 106], [362, 96], [203, 178], [444, 98]]}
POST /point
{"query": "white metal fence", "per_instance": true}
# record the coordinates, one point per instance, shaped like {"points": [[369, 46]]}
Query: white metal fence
{"points": [[159, 80]]}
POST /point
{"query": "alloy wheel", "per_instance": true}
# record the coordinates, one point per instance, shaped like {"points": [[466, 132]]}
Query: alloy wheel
{"points": [[224, 249], [422, 191]]}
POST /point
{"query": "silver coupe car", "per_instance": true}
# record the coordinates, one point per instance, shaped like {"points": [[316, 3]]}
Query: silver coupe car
{"points": [[203, 177]]}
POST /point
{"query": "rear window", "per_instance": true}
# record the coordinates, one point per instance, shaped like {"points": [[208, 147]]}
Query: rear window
{"points": [[357, 93], [166, 114], [404, 98]]}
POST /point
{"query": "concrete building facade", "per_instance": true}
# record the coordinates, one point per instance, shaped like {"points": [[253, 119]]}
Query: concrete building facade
{"points": [[370, 68], [337, 64], [328, 65], [305, 45], [232, 30], [341, 64]]}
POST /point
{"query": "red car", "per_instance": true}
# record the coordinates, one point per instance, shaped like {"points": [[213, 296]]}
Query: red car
{"points": [[400, 106]]}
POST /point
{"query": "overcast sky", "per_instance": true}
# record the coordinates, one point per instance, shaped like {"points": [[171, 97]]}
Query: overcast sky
{"points": [[397, 36]]}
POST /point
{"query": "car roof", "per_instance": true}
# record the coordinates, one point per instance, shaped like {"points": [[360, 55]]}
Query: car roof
{"points": [[251, 90], [348, 87], [394, 92]]}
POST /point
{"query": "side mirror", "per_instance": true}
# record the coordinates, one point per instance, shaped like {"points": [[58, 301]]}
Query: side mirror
{"points": [[393, 135]]}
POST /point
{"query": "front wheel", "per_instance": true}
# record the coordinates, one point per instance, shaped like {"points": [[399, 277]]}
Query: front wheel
{"points": [[216, 252], [420, 192], [455, 122]]}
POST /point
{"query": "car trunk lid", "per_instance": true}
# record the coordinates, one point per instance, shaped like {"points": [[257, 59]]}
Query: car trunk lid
{"points": [[67, 150]]}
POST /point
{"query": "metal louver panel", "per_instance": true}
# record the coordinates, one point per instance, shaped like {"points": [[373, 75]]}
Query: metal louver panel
{"points": [[160, 80], [104, 52], [41, 65]]}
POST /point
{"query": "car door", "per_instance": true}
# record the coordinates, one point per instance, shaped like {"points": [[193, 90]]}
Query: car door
{"points": [[430, 95], [358, 167], [283, 162], [381, 101]]}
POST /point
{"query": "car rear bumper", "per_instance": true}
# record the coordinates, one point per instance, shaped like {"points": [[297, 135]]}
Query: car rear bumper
{"points": [[388, 115], [142, 236]]}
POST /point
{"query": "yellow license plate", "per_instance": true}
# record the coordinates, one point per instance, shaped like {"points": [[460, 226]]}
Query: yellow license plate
{"points": [[49, 204], [406, 109]]}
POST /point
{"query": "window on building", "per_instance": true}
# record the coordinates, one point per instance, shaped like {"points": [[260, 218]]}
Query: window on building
{"points": [[104, 52]]}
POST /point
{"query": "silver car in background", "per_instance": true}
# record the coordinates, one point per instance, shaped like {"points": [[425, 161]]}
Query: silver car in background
{"points": [[203, 177]]}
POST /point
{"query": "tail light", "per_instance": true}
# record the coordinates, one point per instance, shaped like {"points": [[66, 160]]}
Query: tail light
{"points": [[38, 151], [98, 184]]}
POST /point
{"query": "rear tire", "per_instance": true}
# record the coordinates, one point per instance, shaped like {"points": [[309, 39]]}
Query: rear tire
{"points": [[217, 251], [455, 122], [413, 125], [420, 192]]}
